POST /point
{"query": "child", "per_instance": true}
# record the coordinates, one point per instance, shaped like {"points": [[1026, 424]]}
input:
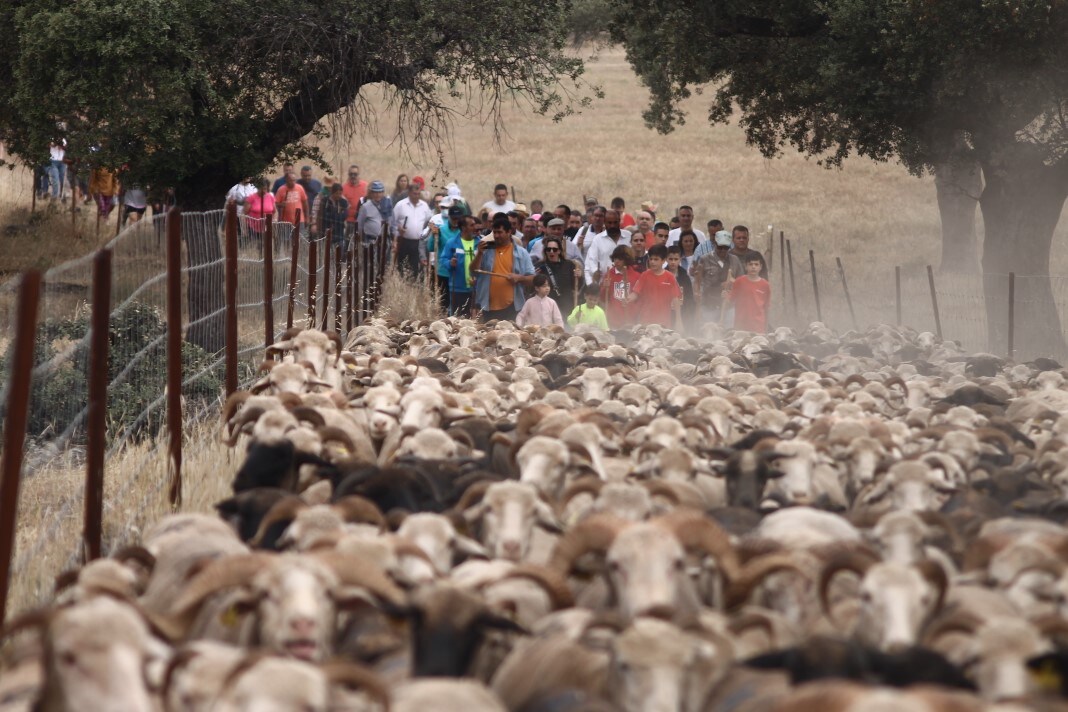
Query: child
{"points": [[674, 266], [658, 289], [751, 295], [540, 309], [616, 288], [590, 312]]}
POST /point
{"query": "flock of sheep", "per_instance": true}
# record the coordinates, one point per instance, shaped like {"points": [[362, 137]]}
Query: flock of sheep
{"points": [[452, 516]]}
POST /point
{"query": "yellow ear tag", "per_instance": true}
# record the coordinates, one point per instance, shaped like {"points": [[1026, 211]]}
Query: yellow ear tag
{"points": [[343, 451], [230, 617]]}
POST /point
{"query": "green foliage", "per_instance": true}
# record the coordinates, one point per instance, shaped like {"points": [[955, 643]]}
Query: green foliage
{"points": [[881, 79], [136, 373], [198, 93]]}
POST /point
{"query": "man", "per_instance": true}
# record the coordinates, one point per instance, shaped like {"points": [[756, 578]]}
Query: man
{"points": [[660, 234], [442, 229], [236, 195], [574, 224], [562, 211], [555, 229], [530, 233], [500, 202], [354, 191], [599, 256], [625, 219], [290, 198], [711, 274], [740, 235], [332, 214], [374, 214], [457, 255], [709, 246], [685, 216], [584, 237], [638, 247], [287, 168], [308, 183], [499, 294], [644, 226], [410, 217]]}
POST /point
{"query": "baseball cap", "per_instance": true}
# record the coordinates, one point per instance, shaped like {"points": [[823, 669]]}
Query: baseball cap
{"points": [[723, 239], [536, 217], [455, 211], [377, 187], [555, 221], [418, 180]]}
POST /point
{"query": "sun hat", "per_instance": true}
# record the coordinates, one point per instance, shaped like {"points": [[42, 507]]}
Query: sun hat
{"points": [[522, 208], [377, 187], [723, 239]]}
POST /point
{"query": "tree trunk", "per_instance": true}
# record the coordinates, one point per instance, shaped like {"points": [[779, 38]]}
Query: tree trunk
{"points": [[1021, 205], [958, 185], [205, 191]]}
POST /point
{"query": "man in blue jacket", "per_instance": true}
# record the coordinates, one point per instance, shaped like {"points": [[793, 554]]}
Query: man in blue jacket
{"points": [[457, 256], [504, 268]]}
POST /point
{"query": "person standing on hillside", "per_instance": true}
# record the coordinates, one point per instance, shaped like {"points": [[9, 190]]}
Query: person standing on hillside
{"points": [[656, 291], [712, 274], [332, 212], [626, 220], [458, 256], [410, 218], [555, 229], [505, 268], [740, 235], [709, 246], [563, 274], [372, 219], [660, 233], [751, 295], [290, 198], [500, 202], [584, 237], [311, 186], [641, 254], [685, 216], [104, 184], [441, 230], [257, 207], [287, 168], [644, 226]]}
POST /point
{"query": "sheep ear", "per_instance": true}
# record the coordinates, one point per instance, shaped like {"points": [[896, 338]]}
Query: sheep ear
{"points": [[546, 518], [498, 622], [469, 547]]}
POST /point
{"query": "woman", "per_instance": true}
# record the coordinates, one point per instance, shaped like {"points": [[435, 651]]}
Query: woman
{"points": [[688, 242], [400, 189], [257, 206], [563, 274]]}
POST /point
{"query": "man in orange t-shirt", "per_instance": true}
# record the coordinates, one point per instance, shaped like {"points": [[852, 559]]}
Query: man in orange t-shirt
{"points": [[751, 295], [656, 291], [354, 191], [290, 198], [503, 269]]}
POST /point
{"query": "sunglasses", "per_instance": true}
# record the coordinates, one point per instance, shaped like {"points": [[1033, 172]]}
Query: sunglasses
{"points": [[552, 249]]}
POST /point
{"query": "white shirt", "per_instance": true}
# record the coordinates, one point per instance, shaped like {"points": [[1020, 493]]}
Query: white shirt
{"points": [[673, 236], [599, 256], [410, 219], [57, 150], [238, 194], [493, 208]]}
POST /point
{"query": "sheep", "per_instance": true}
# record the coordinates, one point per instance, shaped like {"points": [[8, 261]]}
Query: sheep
{"points": [[267, 683], [505, 514], [438, 538], [445, 696]]}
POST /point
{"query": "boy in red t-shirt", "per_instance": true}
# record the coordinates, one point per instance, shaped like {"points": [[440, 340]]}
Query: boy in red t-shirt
{"points": [[751, 295], [658, 289]]}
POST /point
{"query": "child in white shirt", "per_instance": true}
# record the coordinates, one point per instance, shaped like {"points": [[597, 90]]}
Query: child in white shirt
{"points": [[540, 309]]}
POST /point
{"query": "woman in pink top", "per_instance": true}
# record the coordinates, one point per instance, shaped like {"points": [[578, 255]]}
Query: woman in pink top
{"points": [[540, 309], [257, 206]]}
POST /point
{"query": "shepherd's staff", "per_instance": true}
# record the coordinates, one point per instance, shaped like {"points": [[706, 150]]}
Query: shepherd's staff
{"points": [[491, 274], [723, 306]]}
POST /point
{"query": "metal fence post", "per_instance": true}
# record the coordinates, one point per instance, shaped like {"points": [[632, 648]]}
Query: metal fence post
{"points": [[96, 421], [18, 405], [793, 284], [782, 265], [327, 253], [845, 288], [174, 351], [230, 236], [294, 263], [815, 284], [1012, 315], [934, 302], [337, 288], [268, 281], [350, 284]]}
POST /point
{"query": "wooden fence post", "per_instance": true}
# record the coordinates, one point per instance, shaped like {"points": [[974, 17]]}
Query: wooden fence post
{"points": [[337, 288], [782, 265], [96, 421], [897, 287], [313, 276], [350, 284], [845, 288], [230, 235], [815, 284], [1012, 315], [18, 405], [174, 351], [268, 281], [327, 291], [793, 284], [934, 302], [771, 248], [294, 263]]}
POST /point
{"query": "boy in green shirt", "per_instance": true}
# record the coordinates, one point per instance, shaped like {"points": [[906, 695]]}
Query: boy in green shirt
{"points": [[590, 312]]}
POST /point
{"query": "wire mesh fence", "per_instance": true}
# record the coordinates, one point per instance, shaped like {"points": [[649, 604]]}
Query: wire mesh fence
{"points": [[320, 285]]}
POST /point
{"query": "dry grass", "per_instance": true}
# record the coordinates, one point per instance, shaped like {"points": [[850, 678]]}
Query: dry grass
{"points": [[404, 299], [135, 494]]}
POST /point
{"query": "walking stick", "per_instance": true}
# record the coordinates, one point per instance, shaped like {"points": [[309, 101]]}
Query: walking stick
{"points": [[723, 306]]}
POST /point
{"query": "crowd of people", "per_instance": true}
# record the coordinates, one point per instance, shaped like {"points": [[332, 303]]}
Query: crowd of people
{"points": [[530, 264]]}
